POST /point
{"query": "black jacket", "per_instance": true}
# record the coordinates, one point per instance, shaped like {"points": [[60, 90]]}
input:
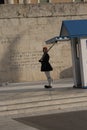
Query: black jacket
{"points": [[45, 65]]}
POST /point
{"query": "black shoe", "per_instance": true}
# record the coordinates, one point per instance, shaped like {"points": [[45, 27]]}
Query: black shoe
{"points": [[46, 86]]}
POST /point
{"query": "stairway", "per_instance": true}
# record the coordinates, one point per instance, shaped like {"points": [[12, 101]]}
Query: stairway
{"points": [[31, 101]]}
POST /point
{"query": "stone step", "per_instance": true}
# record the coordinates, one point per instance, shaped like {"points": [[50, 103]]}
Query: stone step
{"points": [[36, 98], [42, 103], [24, 105], [39, 109], [42, 98]]}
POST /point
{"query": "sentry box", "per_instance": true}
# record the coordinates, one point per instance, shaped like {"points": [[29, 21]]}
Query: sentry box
{"points": [[76, 32]]}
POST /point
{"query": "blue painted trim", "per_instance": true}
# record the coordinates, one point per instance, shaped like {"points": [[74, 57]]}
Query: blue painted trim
{"points": [[74, 28], [80, 87], [84, 87]]}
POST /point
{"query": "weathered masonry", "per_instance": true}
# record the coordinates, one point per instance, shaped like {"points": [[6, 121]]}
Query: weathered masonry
{"points": [[37, 1], [23, 32]]}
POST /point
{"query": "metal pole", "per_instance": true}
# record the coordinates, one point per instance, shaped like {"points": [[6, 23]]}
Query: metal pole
{"points": [[51, 46]]}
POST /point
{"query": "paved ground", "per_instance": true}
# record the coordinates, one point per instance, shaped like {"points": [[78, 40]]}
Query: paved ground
{"points": [[62, 121], [18, 90], [57, 121]]}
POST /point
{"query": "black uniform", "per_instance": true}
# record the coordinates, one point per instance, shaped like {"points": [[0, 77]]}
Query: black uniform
{"points": [[45, 65]]}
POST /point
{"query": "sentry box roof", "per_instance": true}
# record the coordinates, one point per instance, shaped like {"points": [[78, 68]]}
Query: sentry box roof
{"points": [[74, 28], [71, 29]]}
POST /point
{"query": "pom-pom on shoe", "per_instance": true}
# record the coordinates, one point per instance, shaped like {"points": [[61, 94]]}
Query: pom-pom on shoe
{"points": [[47, 86]]}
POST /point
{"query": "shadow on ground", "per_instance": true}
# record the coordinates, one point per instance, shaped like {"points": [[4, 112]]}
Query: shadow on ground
{"points": [[62, 121]]}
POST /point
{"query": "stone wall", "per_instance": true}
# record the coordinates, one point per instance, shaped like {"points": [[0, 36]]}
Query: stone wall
{"points": [[23, 32], [39, 1], [58, 1]]}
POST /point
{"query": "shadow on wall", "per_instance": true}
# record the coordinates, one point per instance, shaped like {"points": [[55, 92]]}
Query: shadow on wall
{"points": [[67, 73], [9, 67], [6, 71]]}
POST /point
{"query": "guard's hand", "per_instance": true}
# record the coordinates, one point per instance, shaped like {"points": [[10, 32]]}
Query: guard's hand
{"points": [[40, 60]]}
